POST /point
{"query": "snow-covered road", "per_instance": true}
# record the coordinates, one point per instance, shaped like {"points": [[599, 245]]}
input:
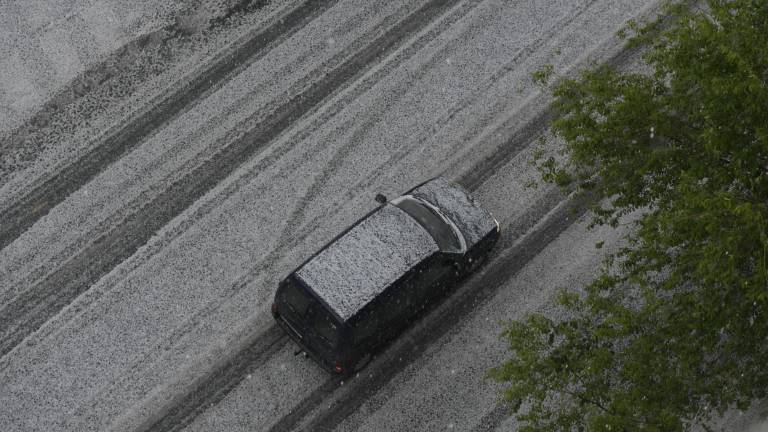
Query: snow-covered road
{"points": [[147, 221]]}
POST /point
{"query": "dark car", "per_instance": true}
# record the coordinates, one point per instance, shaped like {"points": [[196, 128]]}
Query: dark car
{"points": [[365, 286]]}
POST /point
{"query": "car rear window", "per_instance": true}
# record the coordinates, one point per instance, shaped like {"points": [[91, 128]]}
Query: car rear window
{"points": [[438, 228], [295, 298], [307, 310]]}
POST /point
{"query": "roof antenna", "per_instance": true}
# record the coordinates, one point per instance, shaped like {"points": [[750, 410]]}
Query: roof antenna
{"points": [[381, 199]]}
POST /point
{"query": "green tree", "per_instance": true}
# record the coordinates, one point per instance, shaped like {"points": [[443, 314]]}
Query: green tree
{"points": [[675, 328]]}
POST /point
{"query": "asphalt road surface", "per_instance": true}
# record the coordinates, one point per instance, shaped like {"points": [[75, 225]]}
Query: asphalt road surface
{"points": [[154, 195]]}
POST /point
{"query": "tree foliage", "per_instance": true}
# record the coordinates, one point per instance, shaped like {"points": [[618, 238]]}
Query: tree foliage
{"points": [[675, 328]]}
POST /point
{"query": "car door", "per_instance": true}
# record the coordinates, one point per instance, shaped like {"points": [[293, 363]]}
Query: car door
{"points": [[323, 331], [433, 279], [395, 308]]}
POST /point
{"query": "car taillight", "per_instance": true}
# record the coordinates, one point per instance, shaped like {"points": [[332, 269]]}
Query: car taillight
{"points": [[274, 310], [338, 367]]}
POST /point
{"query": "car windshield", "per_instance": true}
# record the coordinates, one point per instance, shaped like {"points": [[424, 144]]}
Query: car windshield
{"points": [[428, 218]]}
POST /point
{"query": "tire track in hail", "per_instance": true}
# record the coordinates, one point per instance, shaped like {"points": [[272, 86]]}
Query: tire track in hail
{"points": [[493, 419], [552, 32], [22, 214], [545, 116], [259, 348], [35, 306], [215, 387]]}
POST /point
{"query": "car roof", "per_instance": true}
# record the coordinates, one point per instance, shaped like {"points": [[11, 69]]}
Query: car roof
{"points": [[360, 264]]}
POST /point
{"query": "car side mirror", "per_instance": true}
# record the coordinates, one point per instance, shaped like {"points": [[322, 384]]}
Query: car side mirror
{"points": [[381, 199]]}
